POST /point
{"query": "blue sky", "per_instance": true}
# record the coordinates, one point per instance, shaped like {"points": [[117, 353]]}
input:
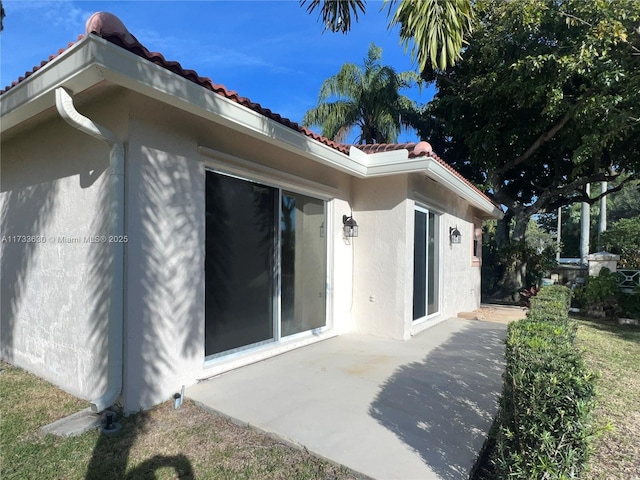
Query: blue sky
{"points": [[273, 52]]}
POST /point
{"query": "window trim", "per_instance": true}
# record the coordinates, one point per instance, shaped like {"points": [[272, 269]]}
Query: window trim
{"points": [[308, 188], [476, 235]]}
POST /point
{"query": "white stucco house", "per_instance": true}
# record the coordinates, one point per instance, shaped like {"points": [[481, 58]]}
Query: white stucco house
{"points": [[158, 229]]}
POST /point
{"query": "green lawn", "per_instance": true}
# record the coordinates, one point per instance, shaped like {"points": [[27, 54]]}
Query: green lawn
{"points": [[163, 443], [614, 351]]}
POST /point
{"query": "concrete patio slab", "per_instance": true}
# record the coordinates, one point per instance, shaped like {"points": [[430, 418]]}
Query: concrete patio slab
{"points": [[419, 409]]}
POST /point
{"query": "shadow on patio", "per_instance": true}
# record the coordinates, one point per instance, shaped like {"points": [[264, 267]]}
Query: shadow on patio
{"points": [[443, 406]]}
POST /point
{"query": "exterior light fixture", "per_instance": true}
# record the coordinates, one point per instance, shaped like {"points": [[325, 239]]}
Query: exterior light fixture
{"points": [[454, 235], [350, 226]]}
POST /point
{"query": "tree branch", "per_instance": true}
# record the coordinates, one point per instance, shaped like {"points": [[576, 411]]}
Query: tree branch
{"points": [[550, 197], [617, 188], [584, 22], [546, 136]]}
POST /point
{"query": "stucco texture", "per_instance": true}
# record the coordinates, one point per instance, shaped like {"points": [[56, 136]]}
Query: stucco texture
{"points": [[54, 281]]}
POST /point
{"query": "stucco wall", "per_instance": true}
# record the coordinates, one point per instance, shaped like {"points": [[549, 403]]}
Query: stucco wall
{"points": [[383, 274], [383, 256], [460, 277], [55, 297], [164, 346]]}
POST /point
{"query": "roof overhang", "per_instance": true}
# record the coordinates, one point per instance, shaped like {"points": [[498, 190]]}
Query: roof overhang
{"points": [[398, 161], [94, 60], [446, 177]]}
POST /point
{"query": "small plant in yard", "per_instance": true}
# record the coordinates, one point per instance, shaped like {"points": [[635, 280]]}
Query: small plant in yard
{"points": [[630, 303], [602, 297], [526, 294]]}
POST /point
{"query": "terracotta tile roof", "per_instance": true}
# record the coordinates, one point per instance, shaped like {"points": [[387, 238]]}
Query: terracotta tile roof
{"points": [[137, 48], [416, 150], [129, 42], [385, 147]]}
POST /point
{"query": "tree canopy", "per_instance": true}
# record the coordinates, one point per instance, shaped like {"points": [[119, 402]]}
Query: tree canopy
{"points": [[545, 100], [366, 97]]}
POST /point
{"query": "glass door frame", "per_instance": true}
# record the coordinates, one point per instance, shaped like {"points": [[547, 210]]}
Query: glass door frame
{"points": [[439, 270], [278, 339]]}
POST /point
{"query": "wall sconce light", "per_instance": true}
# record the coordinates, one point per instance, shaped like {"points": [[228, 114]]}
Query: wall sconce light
{"points": [[454, 235], [350, 226]]}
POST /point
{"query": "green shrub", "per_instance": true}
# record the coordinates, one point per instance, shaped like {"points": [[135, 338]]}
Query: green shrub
{"points": [[552, 301], [603, 294], [630, 303], [544, 421], [602, 288], [623, 237]]}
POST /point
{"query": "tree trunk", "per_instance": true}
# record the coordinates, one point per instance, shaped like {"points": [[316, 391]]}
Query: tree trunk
{"points": [[514, 273], [502, 230]]}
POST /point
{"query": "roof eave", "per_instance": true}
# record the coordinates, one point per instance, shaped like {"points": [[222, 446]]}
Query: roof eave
{"points": [[93, 60], [438, 172], [75, 68]]}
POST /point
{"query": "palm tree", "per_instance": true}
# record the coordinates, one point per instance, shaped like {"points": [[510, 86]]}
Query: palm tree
{"points": [[436, 28], [367, 97]]}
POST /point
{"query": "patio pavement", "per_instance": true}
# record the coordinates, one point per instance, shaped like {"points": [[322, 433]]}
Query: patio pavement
{"points": [[388, 409]]}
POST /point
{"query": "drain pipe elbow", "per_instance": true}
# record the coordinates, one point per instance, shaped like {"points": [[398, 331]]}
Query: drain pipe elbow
{"points": [[67, 110]]}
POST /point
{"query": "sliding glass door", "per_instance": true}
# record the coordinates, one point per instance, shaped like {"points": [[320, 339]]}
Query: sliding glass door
{"points": [[239, 263], [265, 264], [303, 263], [426, 264]]}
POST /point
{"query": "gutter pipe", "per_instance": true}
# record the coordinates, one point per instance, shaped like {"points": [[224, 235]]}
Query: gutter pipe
{"points": [[67, 110]]}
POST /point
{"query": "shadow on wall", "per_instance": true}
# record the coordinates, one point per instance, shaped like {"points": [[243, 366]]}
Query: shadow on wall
{"points": [[30, 186], [164, 293], [25, 211], [170, 307], [99, 285], [165, 192], [444, 406]]}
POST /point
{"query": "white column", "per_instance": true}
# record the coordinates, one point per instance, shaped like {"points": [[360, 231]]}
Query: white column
{"points": [[602, 226], [559, 237], [584, 231]]}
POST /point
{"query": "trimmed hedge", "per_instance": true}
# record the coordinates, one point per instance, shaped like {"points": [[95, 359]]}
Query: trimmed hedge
{"points": [[550, 302], [544, 424]]}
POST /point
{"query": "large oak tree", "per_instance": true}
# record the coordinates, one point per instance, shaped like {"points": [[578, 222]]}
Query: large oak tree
{"points": [[545, 100]]}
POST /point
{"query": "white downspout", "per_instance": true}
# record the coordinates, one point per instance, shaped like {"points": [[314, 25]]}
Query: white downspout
{"points": [[66, 109]]}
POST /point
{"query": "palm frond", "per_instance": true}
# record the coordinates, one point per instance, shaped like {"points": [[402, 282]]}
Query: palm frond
{"points": [[436, 29], [333, 117], [346, 84], [366, 96], [336, 14]]}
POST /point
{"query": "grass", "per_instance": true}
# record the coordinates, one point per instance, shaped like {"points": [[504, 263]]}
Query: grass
{"points": [[614, 351], [163, 443]]}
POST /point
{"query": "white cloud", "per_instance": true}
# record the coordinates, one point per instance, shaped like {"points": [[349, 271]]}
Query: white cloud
{"points": [[64, 14], [182, 50]]}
